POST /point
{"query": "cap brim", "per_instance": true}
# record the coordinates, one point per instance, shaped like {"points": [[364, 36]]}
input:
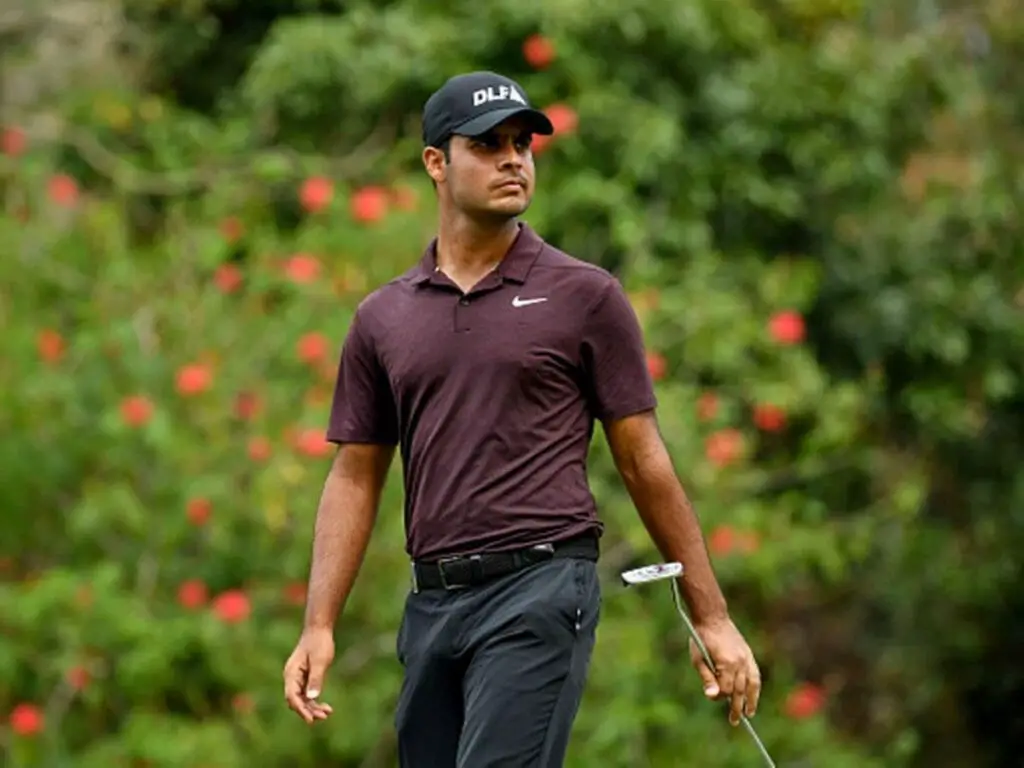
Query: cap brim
{"points": [[536, 120]]}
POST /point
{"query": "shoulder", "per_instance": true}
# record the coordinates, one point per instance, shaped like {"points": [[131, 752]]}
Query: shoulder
{"points": [[589, 284], [379, 309]]}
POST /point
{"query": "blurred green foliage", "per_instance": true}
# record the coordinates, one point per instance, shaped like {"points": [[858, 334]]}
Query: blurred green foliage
{"points": [[815, 207]]}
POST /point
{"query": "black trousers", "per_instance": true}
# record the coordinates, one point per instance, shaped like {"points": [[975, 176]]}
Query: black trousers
{"points": [[494, 674]]}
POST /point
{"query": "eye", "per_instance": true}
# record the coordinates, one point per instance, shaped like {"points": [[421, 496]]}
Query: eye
{"points": [[489, 140], [523, 141]]}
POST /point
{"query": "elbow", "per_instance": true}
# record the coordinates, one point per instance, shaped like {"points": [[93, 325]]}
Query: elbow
{"points": [[631, 470], [639, 453], [645, 469]]}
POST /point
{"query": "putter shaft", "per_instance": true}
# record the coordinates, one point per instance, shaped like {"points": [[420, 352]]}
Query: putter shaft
{"points": [[711, 665]]}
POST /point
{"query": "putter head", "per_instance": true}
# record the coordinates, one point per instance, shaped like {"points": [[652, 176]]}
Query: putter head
{"points": [[649, 573]]}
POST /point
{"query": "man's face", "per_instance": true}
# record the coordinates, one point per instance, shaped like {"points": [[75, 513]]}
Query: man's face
{"points": [[490, 175]]}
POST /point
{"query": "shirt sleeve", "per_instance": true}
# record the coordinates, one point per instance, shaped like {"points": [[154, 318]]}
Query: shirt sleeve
{"points": [[614, 358], [363, 409]]}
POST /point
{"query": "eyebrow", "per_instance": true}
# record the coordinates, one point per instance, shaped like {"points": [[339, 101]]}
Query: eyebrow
{"points": [[494, 135]]}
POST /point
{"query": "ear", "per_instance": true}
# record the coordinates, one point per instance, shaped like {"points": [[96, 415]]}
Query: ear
{"points": [[434, 162]]}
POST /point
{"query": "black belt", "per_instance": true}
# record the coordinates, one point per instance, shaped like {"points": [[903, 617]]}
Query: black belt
{"points": [[464, 571]]}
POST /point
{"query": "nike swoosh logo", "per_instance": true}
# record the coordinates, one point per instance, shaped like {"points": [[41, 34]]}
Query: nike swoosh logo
{"points": [[517, 302]]}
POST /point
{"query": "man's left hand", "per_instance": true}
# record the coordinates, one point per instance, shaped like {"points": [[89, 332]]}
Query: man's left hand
{"points": [[738, 676]]}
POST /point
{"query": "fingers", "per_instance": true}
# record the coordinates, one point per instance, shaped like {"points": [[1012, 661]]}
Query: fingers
{"points": [[320, 710], [707, 676], [295, 671], [298, 687], [739, 694], [727, 680], [733, 673], [753, 690], [304, 674]]}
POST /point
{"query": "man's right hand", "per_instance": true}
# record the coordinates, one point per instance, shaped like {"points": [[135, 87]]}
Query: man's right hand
{"points": [[304, 674]]}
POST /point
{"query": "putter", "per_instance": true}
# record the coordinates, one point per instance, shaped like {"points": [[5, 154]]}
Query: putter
{"points": [[673, 571]]}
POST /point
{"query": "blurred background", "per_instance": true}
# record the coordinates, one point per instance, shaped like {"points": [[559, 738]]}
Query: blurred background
{"points": [[815, 206]]}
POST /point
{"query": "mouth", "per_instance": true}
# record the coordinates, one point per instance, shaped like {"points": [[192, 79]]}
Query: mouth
{"points": [[511, 184]]}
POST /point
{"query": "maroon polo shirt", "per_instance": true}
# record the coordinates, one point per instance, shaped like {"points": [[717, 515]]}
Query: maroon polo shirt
{"points": [[492, 395]]}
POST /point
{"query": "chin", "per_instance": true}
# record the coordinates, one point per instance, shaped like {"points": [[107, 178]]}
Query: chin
{"points": [[509, 207]]}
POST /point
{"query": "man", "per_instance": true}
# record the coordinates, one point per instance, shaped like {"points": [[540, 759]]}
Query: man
{"points": [[487, 363]]}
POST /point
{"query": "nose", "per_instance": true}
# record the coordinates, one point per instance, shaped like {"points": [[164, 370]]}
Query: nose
{"points": [[509, 156]]}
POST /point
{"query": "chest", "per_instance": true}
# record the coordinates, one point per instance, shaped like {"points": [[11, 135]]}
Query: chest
{"points": [[500, 338]]}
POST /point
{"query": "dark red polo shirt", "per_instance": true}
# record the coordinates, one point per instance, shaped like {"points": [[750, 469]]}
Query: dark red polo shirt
{"points": [[492, 395]]}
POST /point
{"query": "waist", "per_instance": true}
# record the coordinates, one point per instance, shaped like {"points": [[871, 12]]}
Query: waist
{"points": [[464, 571]]}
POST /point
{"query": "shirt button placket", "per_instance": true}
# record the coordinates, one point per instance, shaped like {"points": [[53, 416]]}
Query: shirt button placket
{"points": [[462, 310]]}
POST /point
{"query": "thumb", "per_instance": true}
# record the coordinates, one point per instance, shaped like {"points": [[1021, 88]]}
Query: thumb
{"points": [[707, 676], [708, 679], [315, 679]]}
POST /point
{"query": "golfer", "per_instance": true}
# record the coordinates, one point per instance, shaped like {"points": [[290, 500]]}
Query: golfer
{"points": [[487, 364]]}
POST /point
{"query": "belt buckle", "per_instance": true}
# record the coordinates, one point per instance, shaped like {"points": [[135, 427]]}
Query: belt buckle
{"points": [[444, 578], [547, 548]]}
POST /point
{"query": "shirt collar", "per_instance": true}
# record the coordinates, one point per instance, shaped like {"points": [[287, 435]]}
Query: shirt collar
{"points": [[515, 266]]}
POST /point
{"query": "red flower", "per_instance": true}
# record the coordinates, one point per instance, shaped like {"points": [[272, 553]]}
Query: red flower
{"points": [[563, 118], [369, 204], [13, 142], [78, 677], [722, 540], [198, 510], [404, 198], [748, 541], [316, 193], [193, 379], [259, 448], [707, 406], [539, 143], [656, 365], [538, 51], [787, 327], [232, 606], [295, 593], [63, 190], [723, 447], [319, 395], [243, 703], [769, 418], [313, 443], [232, 229], [313, 348], [302, 268], [805, 700], [725, 539], [26, 719], [247, 405], [136, 410], [50, 345], [228, 278], [192, 594]]}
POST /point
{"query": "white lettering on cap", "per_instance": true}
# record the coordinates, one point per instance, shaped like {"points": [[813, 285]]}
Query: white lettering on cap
{"points": [[497, 93]]}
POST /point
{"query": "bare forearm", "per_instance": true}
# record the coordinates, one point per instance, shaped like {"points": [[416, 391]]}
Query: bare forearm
{"points": [[344, 523], [672, 523]]}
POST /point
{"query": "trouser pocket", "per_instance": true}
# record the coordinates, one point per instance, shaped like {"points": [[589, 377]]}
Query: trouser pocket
{"points": [[563, 601]]}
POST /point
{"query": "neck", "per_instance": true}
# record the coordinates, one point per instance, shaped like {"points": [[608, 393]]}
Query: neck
{"points": [[465, 246]]}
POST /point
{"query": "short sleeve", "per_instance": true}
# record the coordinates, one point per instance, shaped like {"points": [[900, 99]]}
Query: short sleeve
{"points": [[363, 409], [614, 359]]}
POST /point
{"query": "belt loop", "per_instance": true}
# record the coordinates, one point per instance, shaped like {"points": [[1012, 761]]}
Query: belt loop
{"points": [[476, 568]]}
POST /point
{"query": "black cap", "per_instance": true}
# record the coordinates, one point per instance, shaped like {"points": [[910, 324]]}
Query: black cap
{"points": [[472, 104]]}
